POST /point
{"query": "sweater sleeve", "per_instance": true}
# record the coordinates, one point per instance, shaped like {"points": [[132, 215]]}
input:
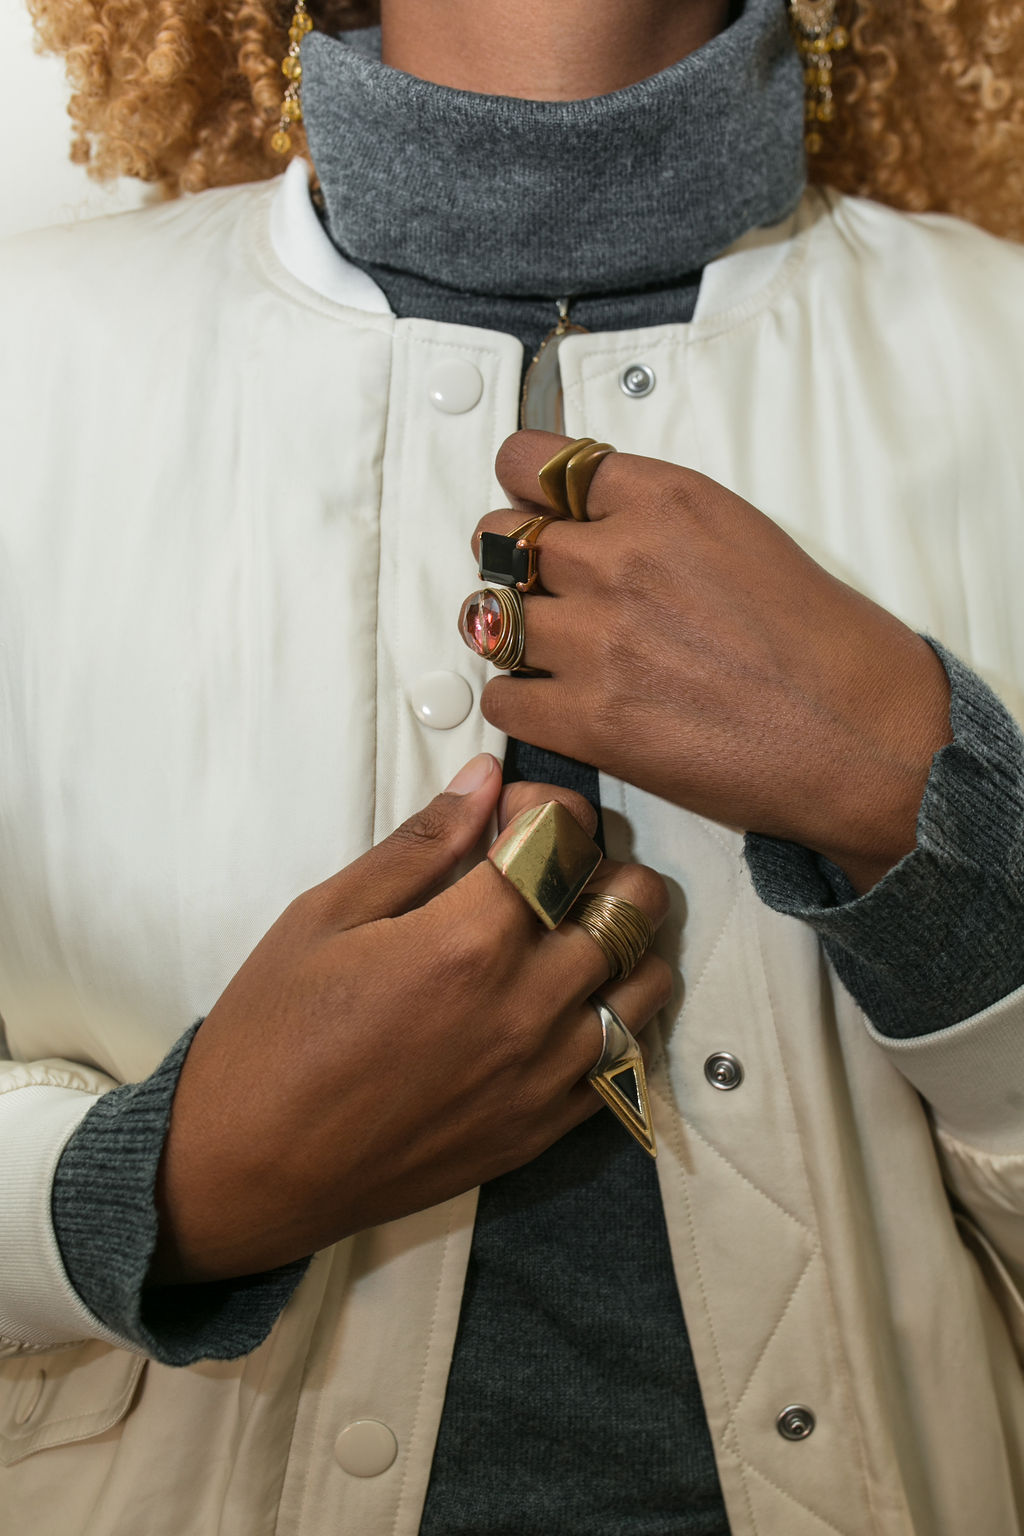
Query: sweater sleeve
{"points": [[105, 1219], [941, 937]]}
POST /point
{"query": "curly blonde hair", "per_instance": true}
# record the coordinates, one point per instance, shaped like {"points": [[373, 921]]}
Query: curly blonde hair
{"points": [[186, 94]]}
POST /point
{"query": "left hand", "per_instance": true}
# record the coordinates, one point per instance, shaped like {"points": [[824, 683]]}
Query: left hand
{"points": [[696, 651]]}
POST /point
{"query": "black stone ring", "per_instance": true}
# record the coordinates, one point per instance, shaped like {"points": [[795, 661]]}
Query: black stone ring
{"points": [[510, 559]]}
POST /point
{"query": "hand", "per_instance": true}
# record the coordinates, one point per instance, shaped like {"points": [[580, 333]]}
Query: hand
{"points": [[696, 651], [384, 1048]]}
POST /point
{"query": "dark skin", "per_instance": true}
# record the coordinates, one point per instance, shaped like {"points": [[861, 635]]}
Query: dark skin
{"points": [[788, 704], [743, 682], [388, 1045], [544, 50]]}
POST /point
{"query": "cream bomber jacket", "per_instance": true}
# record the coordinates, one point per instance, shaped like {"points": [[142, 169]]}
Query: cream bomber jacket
{"points": [[233, 544]]}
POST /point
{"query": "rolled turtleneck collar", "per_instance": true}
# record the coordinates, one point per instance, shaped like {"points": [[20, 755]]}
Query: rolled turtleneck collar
{"points": [[494, 195]]}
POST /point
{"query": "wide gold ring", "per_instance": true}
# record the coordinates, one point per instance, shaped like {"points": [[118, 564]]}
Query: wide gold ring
{"points": [[493, 623], [548, 857], [621, 931], [565, 479]]}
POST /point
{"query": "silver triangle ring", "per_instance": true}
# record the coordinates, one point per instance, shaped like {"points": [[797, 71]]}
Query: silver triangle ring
{"points": [[619, 1076]]}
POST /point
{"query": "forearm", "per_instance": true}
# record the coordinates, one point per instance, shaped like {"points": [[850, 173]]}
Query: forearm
{"points": [[106, 1222], [939, 938]]}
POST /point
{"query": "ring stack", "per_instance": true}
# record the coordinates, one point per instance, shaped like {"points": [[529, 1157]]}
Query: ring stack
{"points": [[619, 928], [565, 479]]}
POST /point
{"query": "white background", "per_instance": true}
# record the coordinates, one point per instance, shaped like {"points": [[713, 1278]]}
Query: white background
{"points": [[38, 183]]}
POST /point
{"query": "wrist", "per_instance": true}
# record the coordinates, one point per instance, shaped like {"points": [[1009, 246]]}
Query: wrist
{"points": [[881, 783]]}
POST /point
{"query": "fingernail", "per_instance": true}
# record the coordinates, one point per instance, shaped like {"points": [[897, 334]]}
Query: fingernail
{"points": [[473, 776]]}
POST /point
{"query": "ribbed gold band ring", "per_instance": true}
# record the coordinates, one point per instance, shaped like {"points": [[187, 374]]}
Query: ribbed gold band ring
{"points": [[618, 928]]}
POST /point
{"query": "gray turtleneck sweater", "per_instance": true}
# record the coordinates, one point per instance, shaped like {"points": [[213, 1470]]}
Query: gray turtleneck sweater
{"points": [[562, 1404]]}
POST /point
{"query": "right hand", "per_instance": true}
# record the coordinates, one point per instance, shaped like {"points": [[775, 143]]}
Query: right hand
{"points": [[383, 1049]]}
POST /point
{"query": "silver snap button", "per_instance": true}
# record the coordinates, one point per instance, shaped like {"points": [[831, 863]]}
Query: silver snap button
{"points": [[637, 380], [455, 386], [723, 1071], [795, 1422], [366, 1448]]}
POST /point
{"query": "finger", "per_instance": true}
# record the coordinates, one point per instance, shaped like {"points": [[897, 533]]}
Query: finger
{"points": [[561, 547], [519, 461], [522, 456], [418, 856], [541, 711], [636, 1000], [523, 796], [570, 963], [551, 627]]}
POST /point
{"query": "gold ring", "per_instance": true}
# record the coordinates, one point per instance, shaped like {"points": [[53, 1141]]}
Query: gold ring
{"points": [[510, 559], [621, 931], [565, 479], [547, 856], [493, 623], [620, 1079]]}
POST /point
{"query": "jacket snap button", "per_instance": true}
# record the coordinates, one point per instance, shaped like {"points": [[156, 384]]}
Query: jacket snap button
{"points": [[28, 1398], [795, 1422], [366, 1448], [723, 1071], [441, 699], [637, 380], [455, 386]]}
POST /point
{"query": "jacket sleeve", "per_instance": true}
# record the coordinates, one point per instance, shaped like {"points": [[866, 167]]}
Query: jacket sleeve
{"points": [[41, 1105], [105, 1217], [934, 954]]}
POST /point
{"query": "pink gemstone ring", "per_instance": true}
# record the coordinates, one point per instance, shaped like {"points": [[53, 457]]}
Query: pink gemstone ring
{"points": [[493, 623]]}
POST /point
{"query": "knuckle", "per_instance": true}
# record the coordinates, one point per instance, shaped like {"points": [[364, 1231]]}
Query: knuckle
{"points": [[430, 826], [516, 453], [646, 888], [463, 955], [307, 911]]}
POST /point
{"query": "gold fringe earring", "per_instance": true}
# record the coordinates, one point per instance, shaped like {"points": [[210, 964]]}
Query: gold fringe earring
{"points": [[291, 68], [817, 38]]}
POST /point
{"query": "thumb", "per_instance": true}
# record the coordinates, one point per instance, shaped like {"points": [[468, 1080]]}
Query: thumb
{"points": [[408, 866]]}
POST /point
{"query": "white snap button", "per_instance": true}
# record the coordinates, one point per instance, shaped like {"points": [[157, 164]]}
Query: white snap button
{"points": [[441, 699], [366, 1448], [455, 386]]}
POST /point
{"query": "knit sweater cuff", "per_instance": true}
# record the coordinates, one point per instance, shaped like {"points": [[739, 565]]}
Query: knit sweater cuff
{"points": [[938, 939], [105, 1218]]}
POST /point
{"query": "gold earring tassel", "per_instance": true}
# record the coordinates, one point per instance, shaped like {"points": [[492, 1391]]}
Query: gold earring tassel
{"points": [[291, 68], [817, 37]]}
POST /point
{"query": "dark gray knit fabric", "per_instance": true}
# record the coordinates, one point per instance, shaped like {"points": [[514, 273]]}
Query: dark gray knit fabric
{"points": [[573, 1404], [901, 949], [106, 1222], [939, 938], [494, 195]]}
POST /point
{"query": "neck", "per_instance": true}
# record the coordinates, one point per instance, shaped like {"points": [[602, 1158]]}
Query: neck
{"points": [[544, 50]]}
